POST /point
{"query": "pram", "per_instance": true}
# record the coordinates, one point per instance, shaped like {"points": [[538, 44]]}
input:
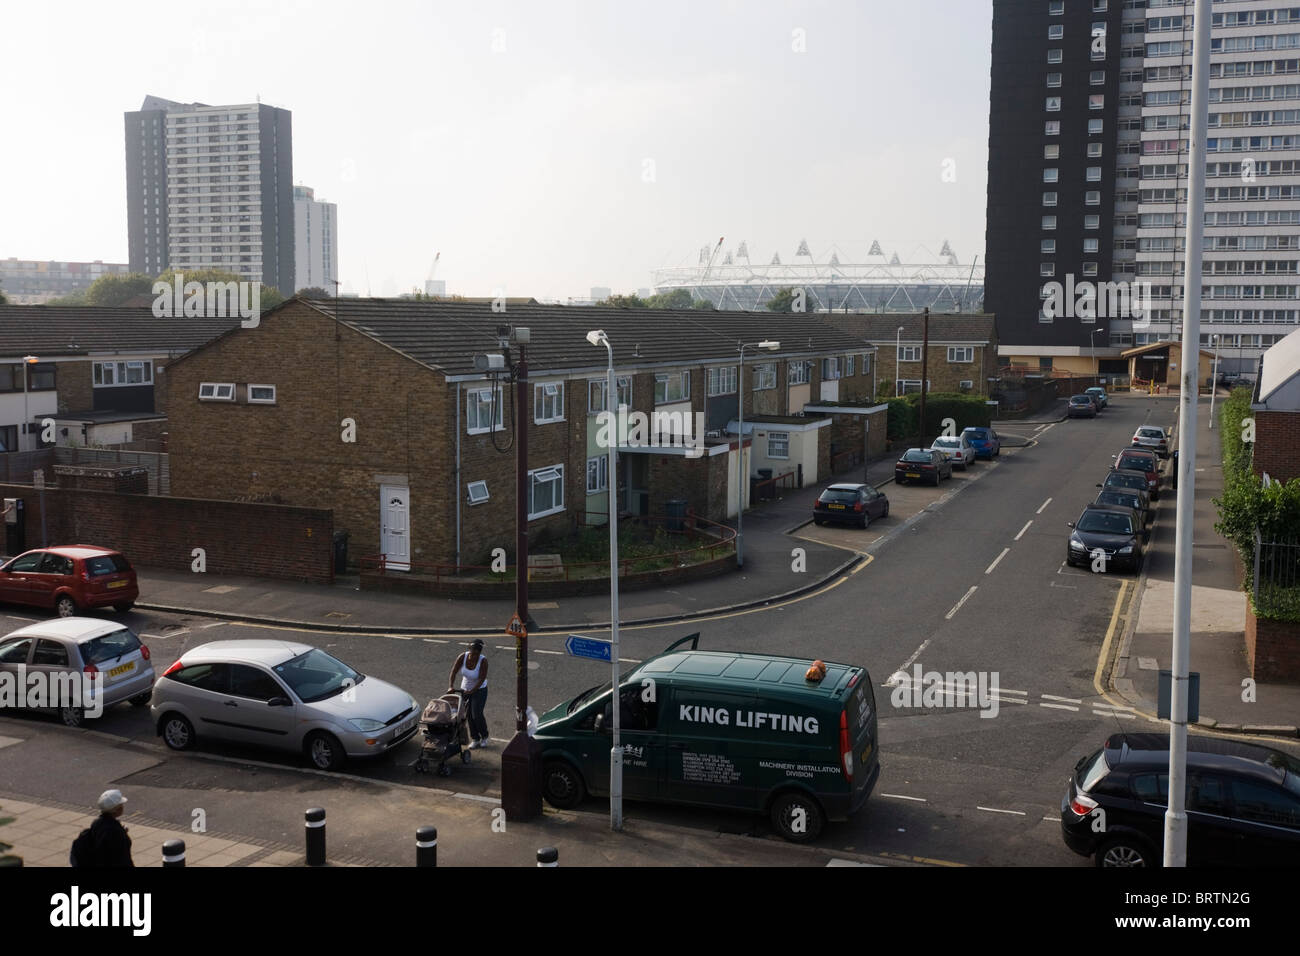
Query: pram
{"points": [[444, 726]]}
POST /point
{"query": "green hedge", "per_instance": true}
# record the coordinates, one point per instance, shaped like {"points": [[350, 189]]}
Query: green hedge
{"points": [[968, 411]]}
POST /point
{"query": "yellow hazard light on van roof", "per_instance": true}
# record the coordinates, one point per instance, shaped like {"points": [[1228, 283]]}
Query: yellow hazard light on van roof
{"points": [[816, 672]]}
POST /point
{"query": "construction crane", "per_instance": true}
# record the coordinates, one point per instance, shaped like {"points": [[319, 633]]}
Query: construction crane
{"points": [[708, 268]]}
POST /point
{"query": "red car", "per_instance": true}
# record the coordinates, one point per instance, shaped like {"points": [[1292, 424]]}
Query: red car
{"points": [[1144, 460], [70, 579]]}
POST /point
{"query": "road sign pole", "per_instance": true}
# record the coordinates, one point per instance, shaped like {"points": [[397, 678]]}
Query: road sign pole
{"points": [[611, 485]]}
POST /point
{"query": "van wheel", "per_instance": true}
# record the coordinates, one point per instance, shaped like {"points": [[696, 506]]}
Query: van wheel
{"points": [[797, 816], [562, 785], [1125, 851]]}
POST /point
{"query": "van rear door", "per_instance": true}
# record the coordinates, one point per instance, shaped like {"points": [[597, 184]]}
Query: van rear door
{"points": [[858, 755]]}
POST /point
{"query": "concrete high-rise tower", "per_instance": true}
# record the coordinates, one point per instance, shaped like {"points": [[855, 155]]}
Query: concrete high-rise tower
{"points": [[315, 229]]}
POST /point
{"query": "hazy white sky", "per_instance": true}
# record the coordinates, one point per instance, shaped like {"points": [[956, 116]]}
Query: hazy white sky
{"points": [[543, 147]]}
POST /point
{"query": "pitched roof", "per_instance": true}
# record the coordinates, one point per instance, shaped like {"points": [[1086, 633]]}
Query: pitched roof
{"points": [[976, 328], [49, 331], [1280, 366], [447, 335]]}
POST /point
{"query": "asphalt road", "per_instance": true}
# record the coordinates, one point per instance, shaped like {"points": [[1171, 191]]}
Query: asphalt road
{"points": [[975, 582]]}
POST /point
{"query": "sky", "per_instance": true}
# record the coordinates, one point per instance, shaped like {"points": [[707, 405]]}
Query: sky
{"points": [[542, 147]]}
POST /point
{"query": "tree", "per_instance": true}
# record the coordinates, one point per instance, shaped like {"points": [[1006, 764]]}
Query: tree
{"points": [[676, 299], [72, 298], [704, 305], [789, 299], [314, 292], [632, 301], [3, 300], [112, 290]]}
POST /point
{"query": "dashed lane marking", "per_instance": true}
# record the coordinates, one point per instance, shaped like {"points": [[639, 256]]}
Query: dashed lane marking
{"points": [[957, 607], [1058, 706], [204, 627], [989, 569], [1018, 813], [1064, 700], [899, 796], [1024, 529], [1044, 505]]}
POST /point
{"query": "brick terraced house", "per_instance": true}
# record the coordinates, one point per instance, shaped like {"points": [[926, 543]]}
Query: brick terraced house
{"points": [[374, 408], [963, 350]]}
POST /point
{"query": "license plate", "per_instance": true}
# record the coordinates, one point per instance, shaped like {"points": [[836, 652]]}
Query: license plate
{"points": [[125, 668], [836, 507], [404, 727], [914, 474], [118, 584]]}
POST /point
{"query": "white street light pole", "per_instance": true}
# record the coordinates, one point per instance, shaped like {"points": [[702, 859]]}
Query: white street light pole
{"points": [[598, 337], [1175, 853], [1093, 342], [1214, 375], [898, 363], [28, 360], [742, 471]]}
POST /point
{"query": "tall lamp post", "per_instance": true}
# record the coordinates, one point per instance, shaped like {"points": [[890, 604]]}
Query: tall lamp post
{"points": [[741, 470], [1214, 375], [1093, 342], [28, 361], [898, 362], [598, 337]]}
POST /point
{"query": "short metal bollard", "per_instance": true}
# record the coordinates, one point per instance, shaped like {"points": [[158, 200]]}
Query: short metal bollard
{"points": [[315, 836], [548, 856], [174, 853], [426, 846]]}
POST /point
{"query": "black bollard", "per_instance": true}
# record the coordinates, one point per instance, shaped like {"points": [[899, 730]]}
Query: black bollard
{"points": [[426, 846], [174, 853], [548, 856], [315, 836]]}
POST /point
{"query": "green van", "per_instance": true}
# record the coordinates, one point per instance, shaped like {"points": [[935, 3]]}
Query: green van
{"points": [[722, 729]]}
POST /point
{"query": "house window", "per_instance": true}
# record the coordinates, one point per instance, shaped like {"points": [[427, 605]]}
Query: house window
{"points": [[597, 388], [1049, 222], [1047, 268], [1097, 78], [1052, 128], [909, 353], [778, 444], [597, 474], [548, 402], [8, 438], [1094, 127], [477, 492], [831, 369], [1047, 247], [721, 380], [1052, 152], [1089, 269], [545, 491], [1053, 104], [261, 394], [1092, 197], [483, 410], [1051, 174], [107, 374], [904, 386], [1093, 174], [1094, 150], [848, 365], [961, 355], [797, 372], [1054, 55], [1056, 31], [1097, 101], [1053, 79], [764, 376], [1049, 199], [40, 377], [217, 391], [1091, 222], [1055, 7], [1090, 245], [672, 387]]}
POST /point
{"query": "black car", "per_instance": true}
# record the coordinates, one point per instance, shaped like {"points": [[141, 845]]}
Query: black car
{"points": [[1106, 529], [857, 504], [1243, 803], [1081, 406], [922, 464], [1125, 498]]}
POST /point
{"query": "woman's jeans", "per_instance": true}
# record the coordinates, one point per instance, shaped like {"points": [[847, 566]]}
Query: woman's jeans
{"points": [[477, 723]]}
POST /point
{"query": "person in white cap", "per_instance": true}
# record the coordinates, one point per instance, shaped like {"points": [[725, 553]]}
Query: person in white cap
{"points": [[105, 842]]}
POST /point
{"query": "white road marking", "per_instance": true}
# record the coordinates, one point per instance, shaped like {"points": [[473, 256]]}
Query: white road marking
{"points": [[179, 631], [1009, 700], [1045, 504], [427, 640], [474, 796], [1114, 713], [539, 651], [1115, 707], [899, 796], [957, 607], [1024, 529], [204, 627], [505, 647], [629, 660], [11, 617], [989, 569], [1047, 429], [1007, 690], [1039, 428], [902, 669], [154, 637], [1067, 700], [1052, 819], [1058, 706], [1018, 813]]}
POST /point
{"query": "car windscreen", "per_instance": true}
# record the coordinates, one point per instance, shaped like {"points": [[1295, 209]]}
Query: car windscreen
{"points": [[109, 646], [1080, 400], [1127, 481], [1135, 462], [106, 564], [315, 675], [979, 434], [839, 494], [1119, 498], [947, 443], [1151, 433], [916, 454], [1105, 522]]}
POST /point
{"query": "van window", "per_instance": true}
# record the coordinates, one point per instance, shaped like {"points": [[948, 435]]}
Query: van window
{"points": [[860, 708], [635, 713]]}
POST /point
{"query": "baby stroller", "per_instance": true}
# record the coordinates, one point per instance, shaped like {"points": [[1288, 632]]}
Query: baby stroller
{"points": [[443, 725]]}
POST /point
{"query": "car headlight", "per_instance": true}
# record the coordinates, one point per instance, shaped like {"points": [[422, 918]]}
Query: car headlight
{"points": [[366, 725], [1077, 542], [1127, 549]]}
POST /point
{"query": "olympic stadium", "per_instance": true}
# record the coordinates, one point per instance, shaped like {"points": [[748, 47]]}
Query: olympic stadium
{"points": [[880, 276]]}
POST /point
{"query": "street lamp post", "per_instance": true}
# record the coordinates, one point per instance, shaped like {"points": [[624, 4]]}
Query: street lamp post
{"points": [[28, 361], [1214, 375], [1093, 342], [898, 362], [598, 337], [742, 472]]}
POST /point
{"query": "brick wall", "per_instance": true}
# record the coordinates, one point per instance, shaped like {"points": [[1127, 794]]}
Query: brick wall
{"points": [[944, 376], [1277, 444], [1272, 649], [152, 430], [75, 387], [272, 541], [124, 481]]}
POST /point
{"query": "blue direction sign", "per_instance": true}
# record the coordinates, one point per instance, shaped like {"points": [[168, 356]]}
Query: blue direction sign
{"points": [[589, 647]]}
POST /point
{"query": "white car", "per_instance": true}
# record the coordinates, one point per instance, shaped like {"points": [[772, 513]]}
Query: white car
{"points": [[1152, 437], [956, 449]]}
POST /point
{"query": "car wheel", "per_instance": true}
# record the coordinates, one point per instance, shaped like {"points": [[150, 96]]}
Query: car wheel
{"points": [[65, 606], [177, 732], [142, 700], [885, 513], [324, 751], [123, 607], [817, 521], [1125, 851], [562, 785], [797, 816], [866, 520], [72, 716]]}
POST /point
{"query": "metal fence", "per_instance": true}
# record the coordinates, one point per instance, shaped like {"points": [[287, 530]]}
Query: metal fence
{"points": [[17, 467], [1276, 578]]}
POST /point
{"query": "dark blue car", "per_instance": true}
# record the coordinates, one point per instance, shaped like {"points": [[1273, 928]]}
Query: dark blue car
{"points": [[986, 442]]}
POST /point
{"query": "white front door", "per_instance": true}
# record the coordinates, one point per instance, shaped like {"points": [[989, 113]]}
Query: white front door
{"points": [[395, 526]]}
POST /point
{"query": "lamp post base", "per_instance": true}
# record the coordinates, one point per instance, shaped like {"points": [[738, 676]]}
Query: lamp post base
{"points": [[521, 778]]}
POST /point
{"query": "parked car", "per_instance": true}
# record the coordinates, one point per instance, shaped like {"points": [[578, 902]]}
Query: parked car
{"points": [[1140, 459], [1099, 394], [848, 502], [1081, 406], [1242, 799], [986, 441], [922, 464], [1153, 437], [70, 579], [1135, 481], [1115, 532], [107, 650], [754, 733], [1126, 498], [957, 449], [280, 694]]}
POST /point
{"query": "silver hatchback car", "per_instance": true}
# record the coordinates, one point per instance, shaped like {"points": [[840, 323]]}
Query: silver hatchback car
{"points": [[82, 666], [280, 694]]}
